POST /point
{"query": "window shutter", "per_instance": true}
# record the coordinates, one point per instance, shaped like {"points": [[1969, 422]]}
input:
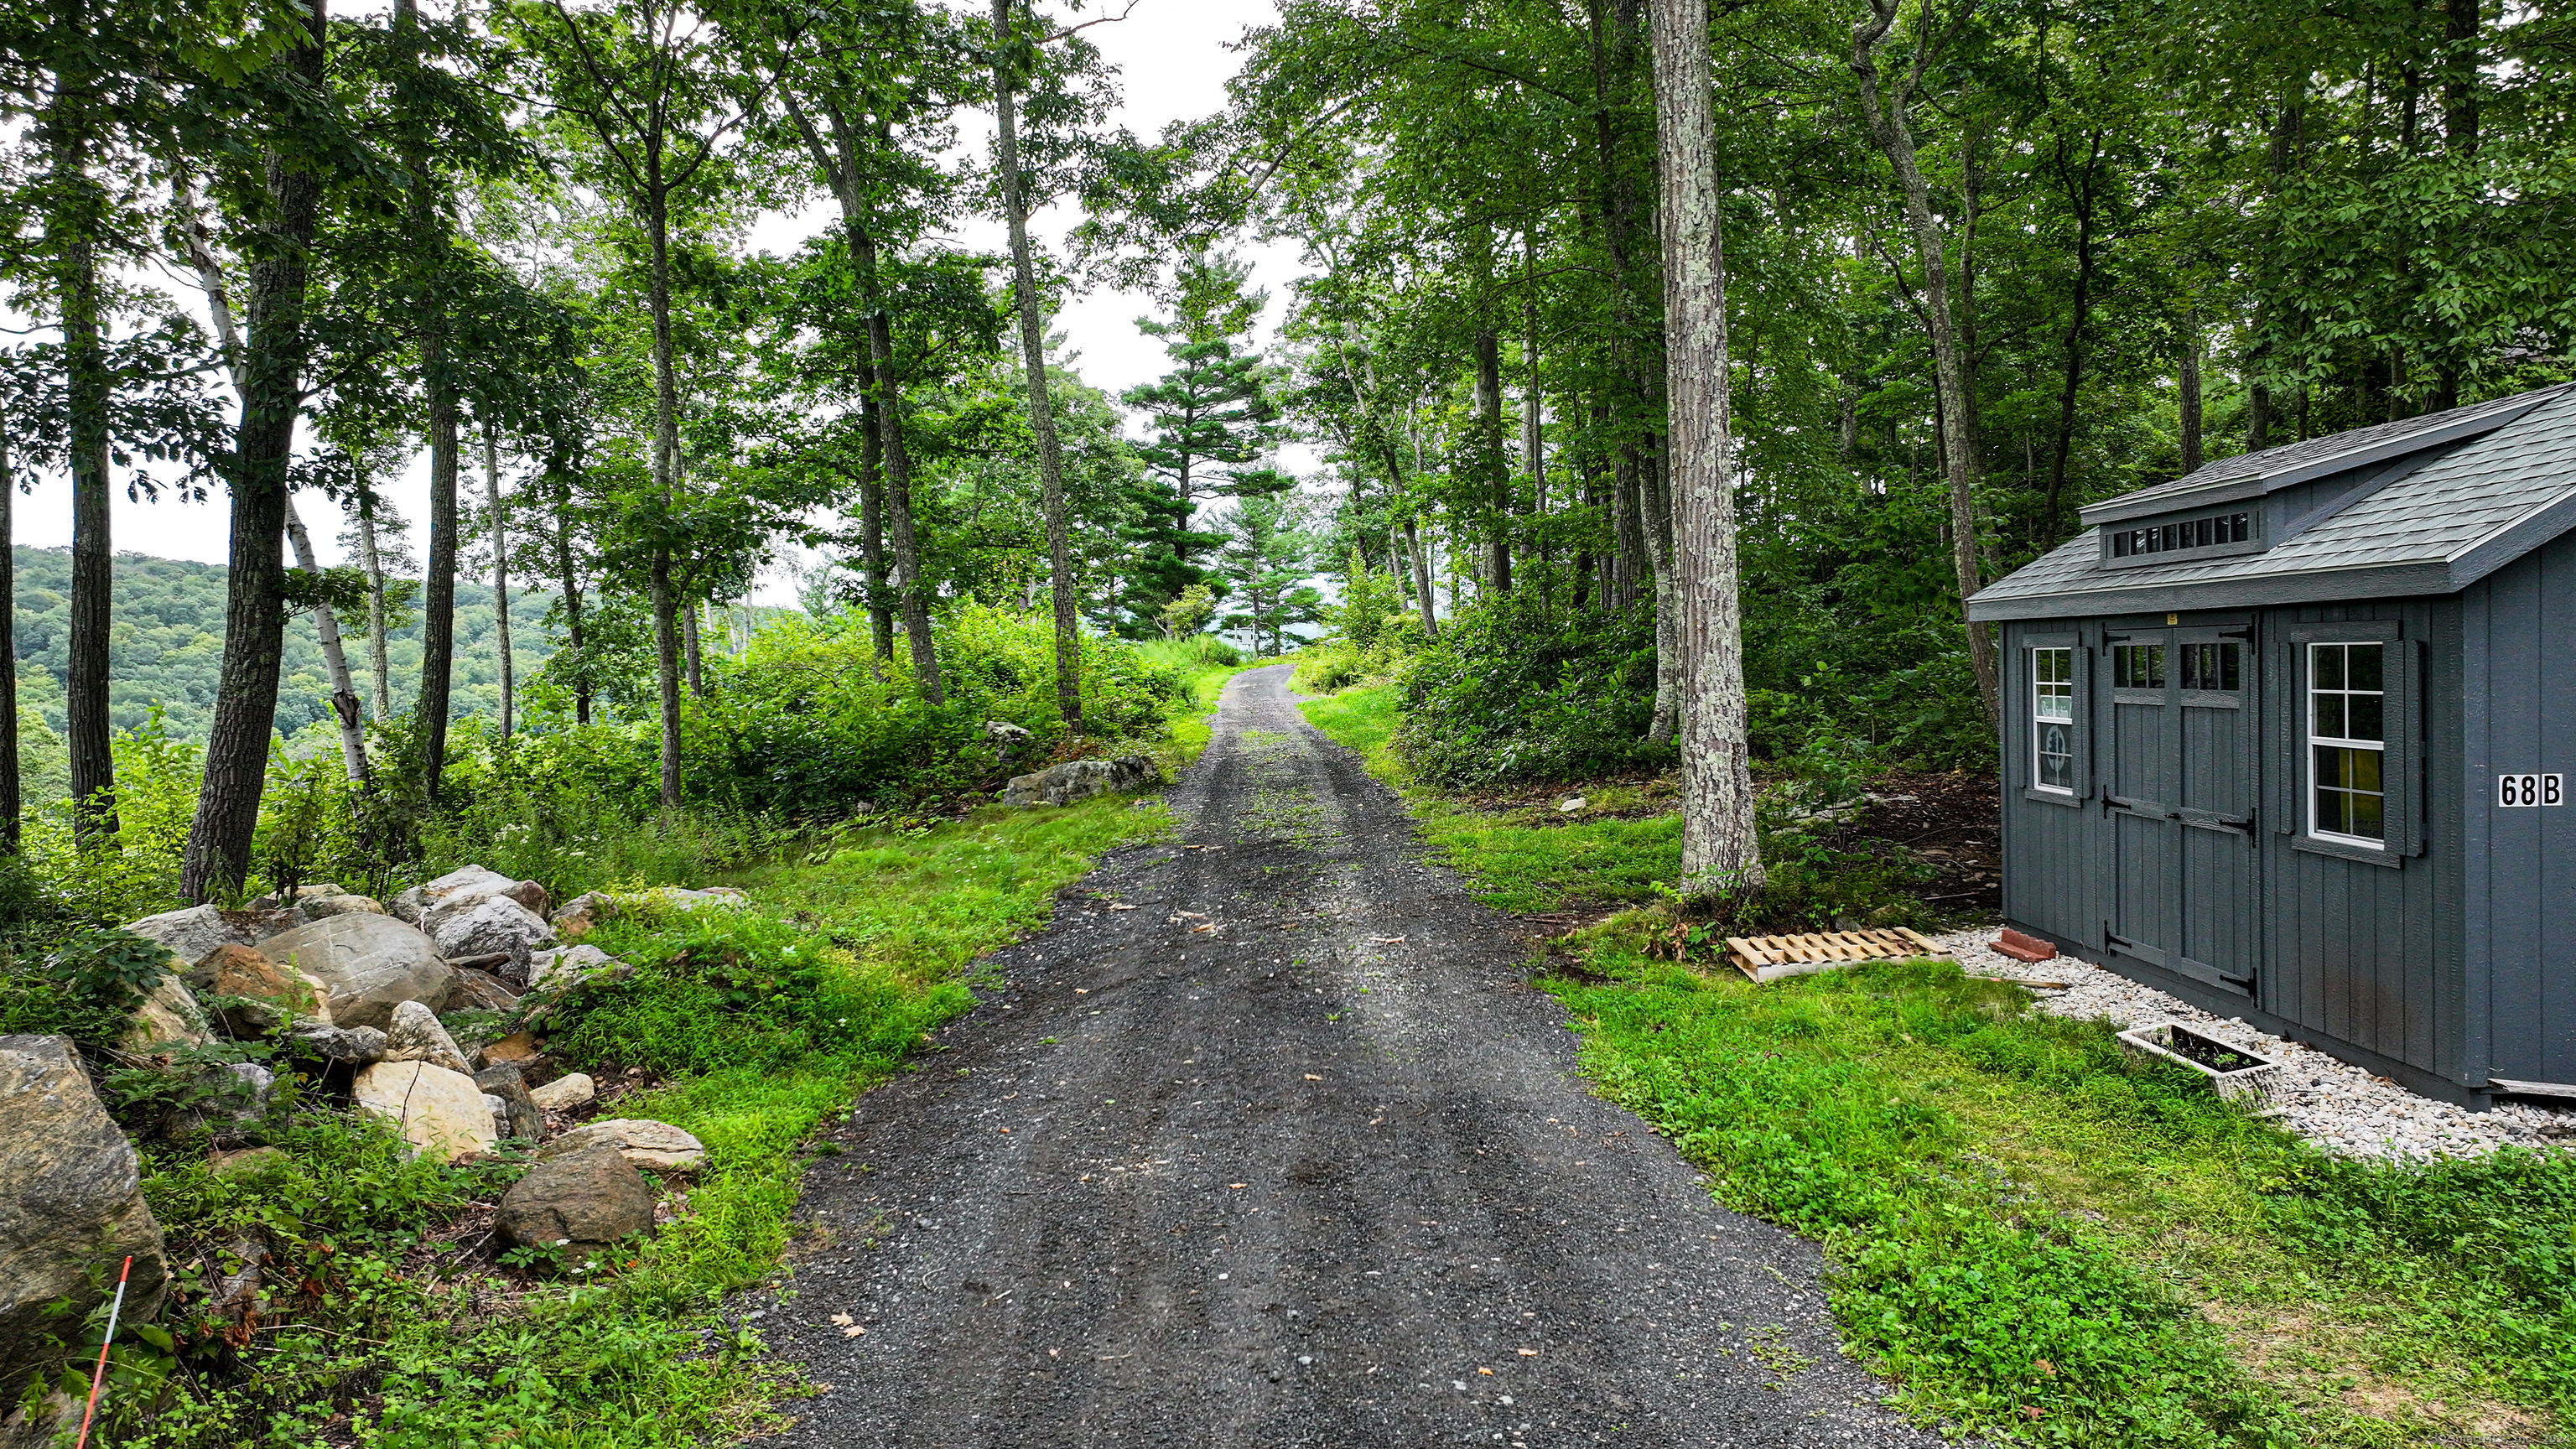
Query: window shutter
{"points": [[2406, 747]]}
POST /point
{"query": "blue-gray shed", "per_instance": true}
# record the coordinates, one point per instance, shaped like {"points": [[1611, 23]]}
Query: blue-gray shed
{"points": [[2281, 738]]}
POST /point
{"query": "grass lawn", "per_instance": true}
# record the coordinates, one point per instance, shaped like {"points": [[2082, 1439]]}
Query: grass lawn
{"points": [[2034, 1236]]}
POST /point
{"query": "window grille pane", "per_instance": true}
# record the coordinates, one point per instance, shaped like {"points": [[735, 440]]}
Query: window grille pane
{"points": [[2329, 667], [2367, 821], [2231, 666], [2364, 666], [2361, 720], [2329, 720]]}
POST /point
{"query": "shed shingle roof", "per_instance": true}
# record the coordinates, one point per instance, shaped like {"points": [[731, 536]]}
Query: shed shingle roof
{"points": [[2456, 516]]}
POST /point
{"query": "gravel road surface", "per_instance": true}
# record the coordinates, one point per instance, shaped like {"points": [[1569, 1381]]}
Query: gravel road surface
{"points": [[1267, 1141]]}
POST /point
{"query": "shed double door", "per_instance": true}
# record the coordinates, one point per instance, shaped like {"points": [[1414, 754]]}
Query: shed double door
{"points": [[2182, 779]]}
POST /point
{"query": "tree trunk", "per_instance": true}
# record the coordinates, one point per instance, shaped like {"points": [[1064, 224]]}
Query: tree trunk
{"points": [[1891, 126], [438, 566], [72, 224], [689, 651], [326, 620], [2071, 388], [1655, 496], [10, 801], [666, 480], [872, 540], [1422, 594], [335, 658], [1068, 639], [1721, 856], [219, 838], [2189, 390], [1495, 465], [915, 594], [571, 584], [375, 566], [500, 570], [838, 162]]}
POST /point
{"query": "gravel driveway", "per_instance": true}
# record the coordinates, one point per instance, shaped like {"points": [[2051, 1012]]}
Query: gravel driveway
{"points": [[1287, 1152]]}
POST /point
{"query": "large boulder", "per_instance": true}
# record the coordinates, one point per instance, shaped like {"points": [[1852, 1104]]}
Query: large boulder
{"points": [[1080, 780], [485, 927], [169, 1017], [437, 1110], [575, 917], [365, 965], [481, 991], [471, 883], [322, 908], [658, 1146], [71, 1208], [414, 1035], [191, 933], [262, 995], [578, 1202]]}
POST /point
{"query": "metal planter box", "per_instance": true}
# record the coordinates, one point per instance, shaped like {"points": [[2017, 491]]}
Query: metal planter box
{"points": [[2236, 1074]]}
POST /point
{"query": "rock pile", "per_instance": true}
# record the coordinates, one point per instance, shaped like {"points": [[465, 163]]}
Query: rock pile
{"points": [[363, 986]]}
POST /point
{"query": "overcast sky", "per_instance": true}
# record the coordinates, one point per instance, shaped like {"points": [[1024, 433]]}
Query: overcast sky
{"points": [[1174, 61]]}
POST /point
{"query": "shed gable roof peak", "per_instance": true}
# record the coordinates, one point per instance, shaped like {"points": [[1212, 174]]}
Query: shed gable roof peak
{"points": [[2251, 475]]}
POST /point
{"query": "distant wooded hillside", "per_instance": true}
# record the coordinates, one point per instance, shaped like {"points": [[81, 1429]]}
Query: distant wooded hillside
{"points": [[168, 638]]}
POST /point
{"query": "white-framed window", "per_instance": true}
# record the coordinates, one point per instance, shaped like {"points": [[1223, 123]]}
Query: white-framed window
{"points": [[2348, 743], [2052, 724]]}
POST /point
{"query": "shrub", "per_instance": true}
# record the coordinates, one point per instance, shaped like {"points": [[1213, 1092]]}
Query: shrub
{"points": [[1514, 691]]}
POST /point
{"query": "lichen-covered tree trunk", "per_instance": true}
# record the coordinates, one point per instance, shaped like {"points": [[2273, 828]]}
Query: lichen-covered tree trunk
{"points": [[1720, 853]]}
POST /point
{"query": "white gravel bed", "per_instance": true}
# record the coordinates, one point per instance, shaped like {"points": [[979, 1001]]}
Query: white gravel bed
{"points": [[2340, 1107]]}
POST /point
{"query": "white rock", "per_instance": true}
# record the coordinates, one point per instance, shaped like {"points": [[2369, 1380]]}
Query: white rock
{"points": [[435, 1109], [470, 883], [657, 1146], [366, 964], [414, 1035], [561, 966], [484, 926], [564, 1093], [191, 933]]}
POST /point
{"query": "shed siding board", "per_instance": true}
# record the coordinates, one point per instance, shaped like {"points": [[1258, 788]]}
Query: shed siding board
{"points": [[2048, 851], [2519, 893], [2356, 945]]}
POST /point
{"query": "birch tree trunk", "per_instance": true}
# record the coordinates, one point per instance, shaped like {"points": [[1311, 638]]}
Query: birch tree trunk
{"points": [[1720, 854], [666, 481], [1887, 105], [1068, 641]]}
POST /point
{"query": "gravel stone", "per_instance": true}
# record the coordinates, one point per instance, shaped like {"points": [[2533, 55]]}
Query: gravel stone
{"points": [[2340, 1107]]}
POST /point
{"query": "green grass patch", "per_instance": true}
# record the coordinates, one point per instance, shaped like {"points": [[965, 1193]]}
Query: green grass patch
{"points": [[2043, 1239]]}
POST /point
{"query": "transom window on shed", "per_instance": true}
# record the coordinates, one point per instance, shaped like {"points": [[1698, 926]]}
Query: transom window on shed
{"points": [[2052, 707], [2348, 741], [2191, 533]]}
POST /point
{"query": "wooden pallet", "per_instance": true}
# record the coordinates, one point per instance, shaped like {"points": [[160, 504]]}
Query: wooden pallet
{"points": [[1769, 958]]}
